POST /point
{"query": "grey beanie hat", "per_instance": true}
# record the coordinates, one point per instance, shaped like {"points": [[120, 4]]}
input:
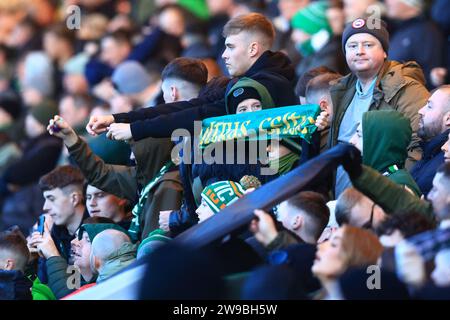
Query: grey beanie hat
{"points": [[130, 77], [374, 27], [38, 73]]}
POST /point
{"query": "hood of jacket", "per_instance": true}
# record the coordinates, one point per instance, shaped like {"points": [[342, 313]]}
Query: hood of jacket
{"points": [[118, 260], [274, 71], [266, 99], [151, 154], [386, 136]]}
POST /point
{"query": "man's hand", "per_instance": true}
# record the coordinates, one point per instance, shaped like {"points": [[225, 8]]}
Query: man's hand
{"points": [[164, 220], [264, 229], [119, 131], [99, 124], [323, 121], [44, 243], [58, 127]]}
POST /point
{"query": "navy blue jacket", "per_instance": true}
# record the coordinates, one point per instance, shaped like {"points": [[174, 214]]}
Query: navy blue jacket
{"points": [[424, 170], [420, 40], [273, 70]]}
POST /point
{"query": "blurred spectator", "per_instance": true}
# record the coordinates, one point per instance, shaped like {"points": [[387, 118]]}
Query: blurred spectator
{"points": [[415, 37], [74, 80], [355, 9], [314, 39], [10, 110], [25, 37], [441, 16], [75, 109]]}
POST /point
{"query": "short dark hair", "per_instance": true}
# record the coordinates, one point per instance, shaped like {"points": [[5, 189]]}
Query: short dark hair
{"points": [[61, 177], [13, 240], [315, 207], [408, 223], [252, 23], [187, 69], [321, 83], [302, 83]]}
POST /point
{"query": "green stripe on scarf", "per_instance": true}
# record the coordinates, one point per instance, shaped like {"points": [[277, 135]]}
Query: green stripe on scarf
{"points": [[284, 122], [134, 230]]}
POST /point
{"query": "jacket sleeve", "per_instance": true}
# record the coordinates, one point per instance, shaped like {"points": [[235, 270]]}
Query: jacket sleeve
{"points": [[115, 179], [381, 190], [413, 98], [164, 125], [181, 220], [144, 49], [156, 111], [282, 240], [58, 276]]}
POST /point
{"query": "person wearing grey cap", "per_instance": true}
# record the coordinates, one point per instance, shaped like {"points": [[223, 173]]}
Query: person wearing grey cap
{"points": [[375, 83]]}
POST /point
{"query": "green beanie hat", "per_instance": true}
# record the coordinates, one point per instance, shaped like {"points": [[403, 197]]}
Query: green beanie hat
{"points": [[44, 111], [220, 194], [154, 239], [94, 229], [312, 18]]}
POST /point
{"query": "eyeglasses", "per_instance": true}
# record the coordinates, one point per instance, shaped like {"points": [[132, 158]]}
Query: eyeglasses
{"points": [[369, 224]]}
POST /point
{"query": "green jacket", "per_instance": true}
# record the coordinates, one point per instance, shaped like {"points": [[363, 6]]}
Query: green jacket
{"points": [[118, 260], [40, 291], [399, 87], [127, 182], [386, 136], [390, 196], [58, 277]]}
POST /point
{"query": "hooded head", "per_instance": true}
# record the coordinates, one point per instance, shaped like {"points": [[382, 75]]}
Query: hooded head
{"points": [[386, 136]]}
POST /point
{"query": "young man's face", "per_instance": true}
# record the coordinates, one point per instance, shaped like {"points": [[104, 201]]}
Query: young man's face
{"points": [[59, 205], [237, 54], [431, 116], [364, 54], [357, 139], [113, 52], [446, 149], [440, 196], [81, 251], [102, 204], [249, 105], [204, 211]]}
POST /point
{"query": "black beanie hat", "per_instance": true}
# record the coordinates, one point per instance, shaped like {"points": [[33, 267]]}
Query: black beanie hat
{"points": [[367, 26], [241, 94]]}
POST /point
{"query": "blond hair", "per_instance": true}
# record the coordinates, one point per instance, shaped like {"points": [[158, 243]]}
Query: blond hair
{"points": [[253, 23]]}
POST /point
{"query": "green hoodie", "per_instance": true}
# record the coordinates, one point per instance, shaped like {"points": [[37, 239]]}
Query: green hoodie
{"points": [[386, 136], [266, 98]]}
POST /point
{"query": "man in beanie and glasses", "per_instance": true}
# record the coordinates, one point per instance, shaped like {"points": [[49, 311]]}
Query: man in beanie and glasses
{"points": [[375, 83]]}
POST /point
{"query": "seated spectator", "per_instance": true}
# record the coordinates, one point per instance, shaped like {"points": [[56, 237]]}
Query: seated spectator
{"points": [[74, 80], [102, 204], [14, 285], [63, 192], [217, 196], [111, 251], [434, 128], [302, 83], [348, 247], [75, 109], [383, 138]]}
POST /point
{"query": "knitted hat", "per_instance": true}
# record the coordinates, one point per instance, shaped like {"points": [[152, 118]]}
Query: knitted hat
{"points": [[367, 26], [248, 182], [312, 18], [76, 64], [154, 240], [94, 229], [222, 193], [241, 94], [44, 111], [130, 77]]}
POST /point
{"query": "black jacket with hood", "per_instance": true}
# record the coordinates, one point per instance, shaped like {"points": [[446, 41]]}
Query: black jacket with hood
{"points": [[273, 70]]}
